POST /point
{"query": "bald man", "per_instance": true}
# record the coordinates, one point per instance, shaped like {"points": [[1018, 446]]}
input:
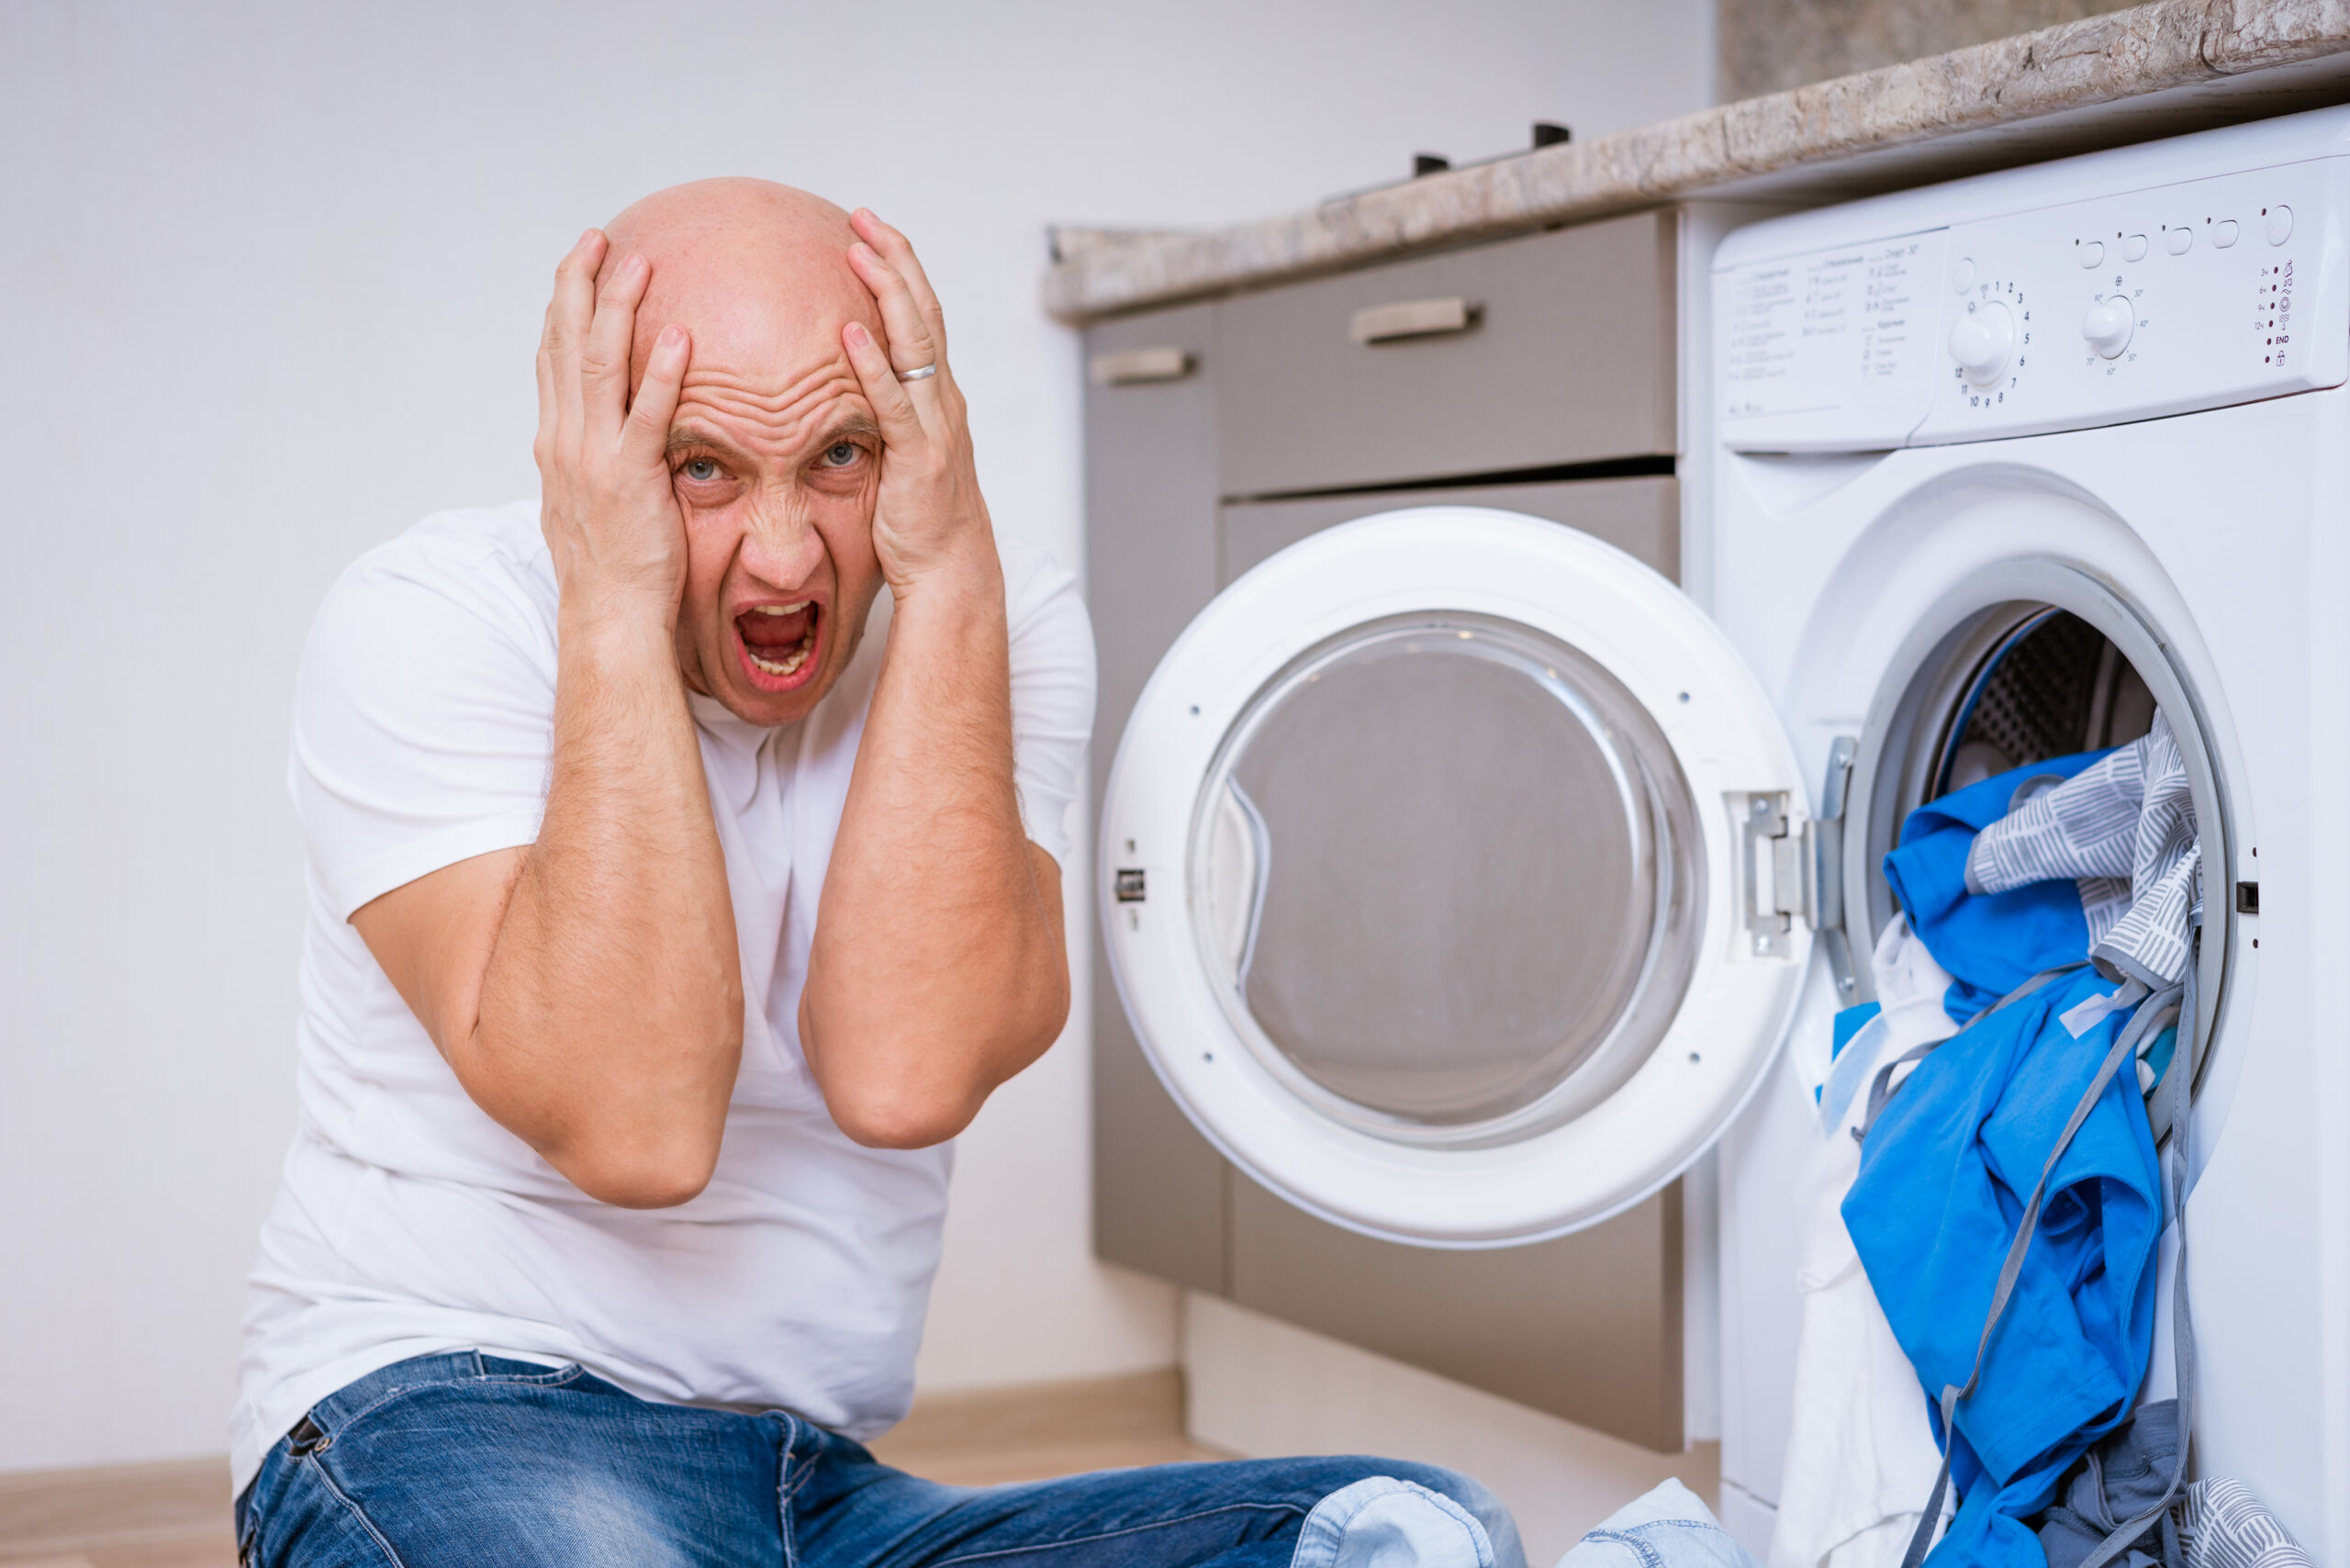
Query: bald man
{"points": [[675, 896]]}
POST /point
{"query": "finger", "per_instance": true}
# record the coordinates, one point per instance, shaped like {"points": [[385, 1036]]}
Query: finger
{"points": [[910, 344], [899, 252], [568, 314], [541, 445], [603, 359], [644, 439], [901, 423]]}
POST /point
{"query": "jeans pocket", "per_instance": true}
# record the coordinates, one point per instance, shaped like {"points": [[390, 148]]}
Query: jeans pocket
{"points": [[500, 1368]]}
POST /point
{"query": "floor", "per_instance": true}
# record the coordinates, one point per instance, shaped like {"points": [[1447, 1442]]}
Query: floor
{"points": [[169, 1516]]}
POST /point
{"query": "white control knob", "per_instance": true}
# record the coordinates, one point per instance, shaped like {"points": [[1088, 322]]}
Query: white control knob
{"points": [[1983, 343], [2107, 326]]}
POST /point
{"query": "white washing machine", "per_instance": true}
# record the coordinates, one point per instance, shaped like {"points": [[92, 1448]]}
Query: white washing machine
{"points": [[2000, 464], [1461, 877]]}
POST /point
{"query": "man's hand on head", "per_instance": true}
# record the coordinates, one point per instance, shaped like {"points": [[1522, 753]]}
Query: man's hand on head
{"points": [[930, 520], [938, 969], [606, 504]]}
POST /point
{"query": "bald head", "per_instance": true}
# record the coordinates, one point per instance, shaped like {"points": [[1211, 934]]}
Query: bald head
{"points": [[772, 449], [757, 272]]}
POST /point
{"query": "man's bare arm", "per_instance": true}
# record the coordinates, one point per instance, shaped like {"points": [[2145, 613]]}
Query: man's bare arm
{"points": [[939, 968], [587, 990]]}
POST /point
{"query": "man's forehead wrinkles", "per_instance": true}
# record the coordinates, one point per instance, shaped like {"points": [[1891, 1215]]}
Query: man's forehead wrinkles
{"points": [[738, 385], [753, 418]]}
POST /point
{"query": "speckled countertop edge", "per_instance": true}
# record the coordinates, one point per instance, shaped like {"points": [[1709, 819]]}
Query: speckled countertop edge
{"points": [[2123, 54]]}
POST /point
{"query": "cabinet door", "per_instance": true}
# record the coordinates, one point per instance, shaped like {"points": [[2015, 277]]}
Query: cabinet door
{"points": [[1586, 1327], [1563, 354], [1639, 516], [1159, 1194]]}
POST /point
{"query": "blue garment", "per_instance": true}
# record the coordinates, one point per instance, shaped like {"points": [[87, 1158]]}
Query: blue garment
{"points": [[469, 1459], [1848, 1023], [1991, 942], [1943, 1180]]}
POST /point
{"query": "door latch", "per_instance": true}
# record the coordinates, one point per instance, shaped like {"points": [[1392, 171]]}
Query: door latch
{"points": [[1778, 875]]}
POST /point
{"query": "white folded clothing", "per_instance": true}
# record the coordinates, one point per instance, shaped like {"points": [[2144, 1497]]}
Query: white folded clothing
{"points": [[1861, 1455]]}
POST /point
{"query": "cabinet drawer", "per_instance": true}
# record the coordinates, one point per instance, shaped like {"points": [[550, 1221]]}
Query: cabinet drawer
{"points": [[1639, 516], [1553, 349]]}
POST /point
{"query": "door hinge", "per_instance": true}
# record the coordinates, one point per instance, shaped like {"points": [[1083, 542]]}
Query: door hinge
{"points": [[1797, 871]]}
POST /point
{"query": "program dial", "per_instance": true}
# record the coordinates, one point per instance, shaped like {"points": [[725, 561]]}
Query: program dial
{"points": [[1984, 342]]}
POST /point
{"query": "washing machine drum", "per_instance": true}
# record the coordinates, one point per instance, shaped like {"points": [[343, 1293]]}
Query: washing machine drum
{"points": [[1446, 865]]}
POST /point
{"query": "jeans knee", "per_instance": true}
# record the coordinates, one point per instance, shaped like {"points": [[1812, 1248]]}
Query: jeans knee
{"points": [[1351, 1512], [1501, 1527]]}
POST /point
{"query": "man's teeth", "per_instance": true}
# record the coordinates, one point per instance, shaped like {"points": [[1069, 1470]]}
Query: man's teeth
{"points": [[789, 663], [792, 609]]}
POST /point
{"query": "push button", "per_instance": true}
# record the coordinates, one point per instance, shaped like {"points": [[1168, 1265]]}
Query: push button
{"points": [[2092, 253], [2223, 233], [1962, 276], [2133, 249], [2280, 225], [2178, 242]]}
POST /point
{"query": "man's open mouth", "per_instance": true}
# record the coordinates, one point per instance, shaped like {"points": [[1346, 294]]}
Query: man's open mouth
{"points": [[779, 641]]}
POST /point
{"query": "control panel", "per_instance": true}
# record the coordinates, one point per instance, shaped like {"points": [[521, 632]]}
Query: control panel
{"points": [[2067, 314]]}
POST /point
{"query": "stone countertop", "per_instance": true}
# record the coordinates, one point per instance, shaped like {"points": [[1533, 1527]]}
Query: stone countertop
{"points": [[2156, 69]]}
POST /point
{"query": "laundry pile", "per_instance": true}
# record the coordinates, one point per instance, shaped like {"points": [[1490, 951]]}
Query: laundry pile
{"points": [[2220, 1524], [1983, 1211]]}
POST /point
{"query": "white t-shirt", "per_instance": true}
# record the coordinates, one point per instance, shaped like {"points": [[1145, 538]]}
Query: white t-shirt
{"points": [[410, 1223]]}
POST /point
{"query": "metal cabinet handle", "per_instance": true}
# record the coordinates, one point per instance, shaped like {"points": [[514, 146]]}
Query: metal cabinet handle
{"points": [[1130, 366], [1413, 318]]}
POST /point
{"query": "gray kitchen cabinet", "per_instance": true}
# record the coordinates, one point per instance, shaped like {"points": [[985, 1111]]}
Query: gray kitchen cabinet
{"points": [[1535, 376], [1150, 567], [1202, 423]]}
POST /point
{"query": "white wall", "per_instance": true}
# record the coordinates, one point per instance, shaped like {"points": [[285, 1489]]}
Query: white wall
{"points": [[270, 276]]}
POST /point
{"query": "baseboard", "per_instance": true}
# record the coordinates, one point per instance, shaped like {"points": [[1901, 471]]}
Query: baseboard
{"points": [[1749, 1518], [1027, 1415], [1030, 1431]]}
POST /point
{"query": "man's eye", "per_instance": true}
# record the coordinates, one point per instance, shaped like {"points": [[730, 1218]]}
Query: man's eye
{"points": [[701, 470], [841, 453]]}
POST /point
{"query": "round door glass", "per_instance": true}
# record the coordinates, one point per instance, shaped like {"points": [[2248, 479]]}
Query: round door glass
{"points": [[1444, 876]]}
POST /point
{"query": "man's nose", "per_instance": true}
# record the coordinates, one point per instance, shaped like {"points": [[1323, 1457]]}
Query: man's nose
{"points": [[781, 544]]}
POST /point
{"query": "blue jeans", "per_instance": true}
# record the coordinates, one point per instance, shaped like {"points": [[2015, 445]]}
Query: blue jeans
{"points": [[1666, 1527], [466, 1459]]}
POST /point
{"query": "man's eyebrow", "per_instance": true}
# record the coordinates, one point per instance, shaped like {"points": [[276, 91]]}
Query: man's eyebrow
{"points": [[687, 436], [853, 425]]}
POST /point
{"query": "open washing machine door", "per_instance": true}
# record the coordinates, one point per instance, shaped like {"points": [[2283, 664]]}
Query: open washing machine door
{"points": [[1457, 877]]}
